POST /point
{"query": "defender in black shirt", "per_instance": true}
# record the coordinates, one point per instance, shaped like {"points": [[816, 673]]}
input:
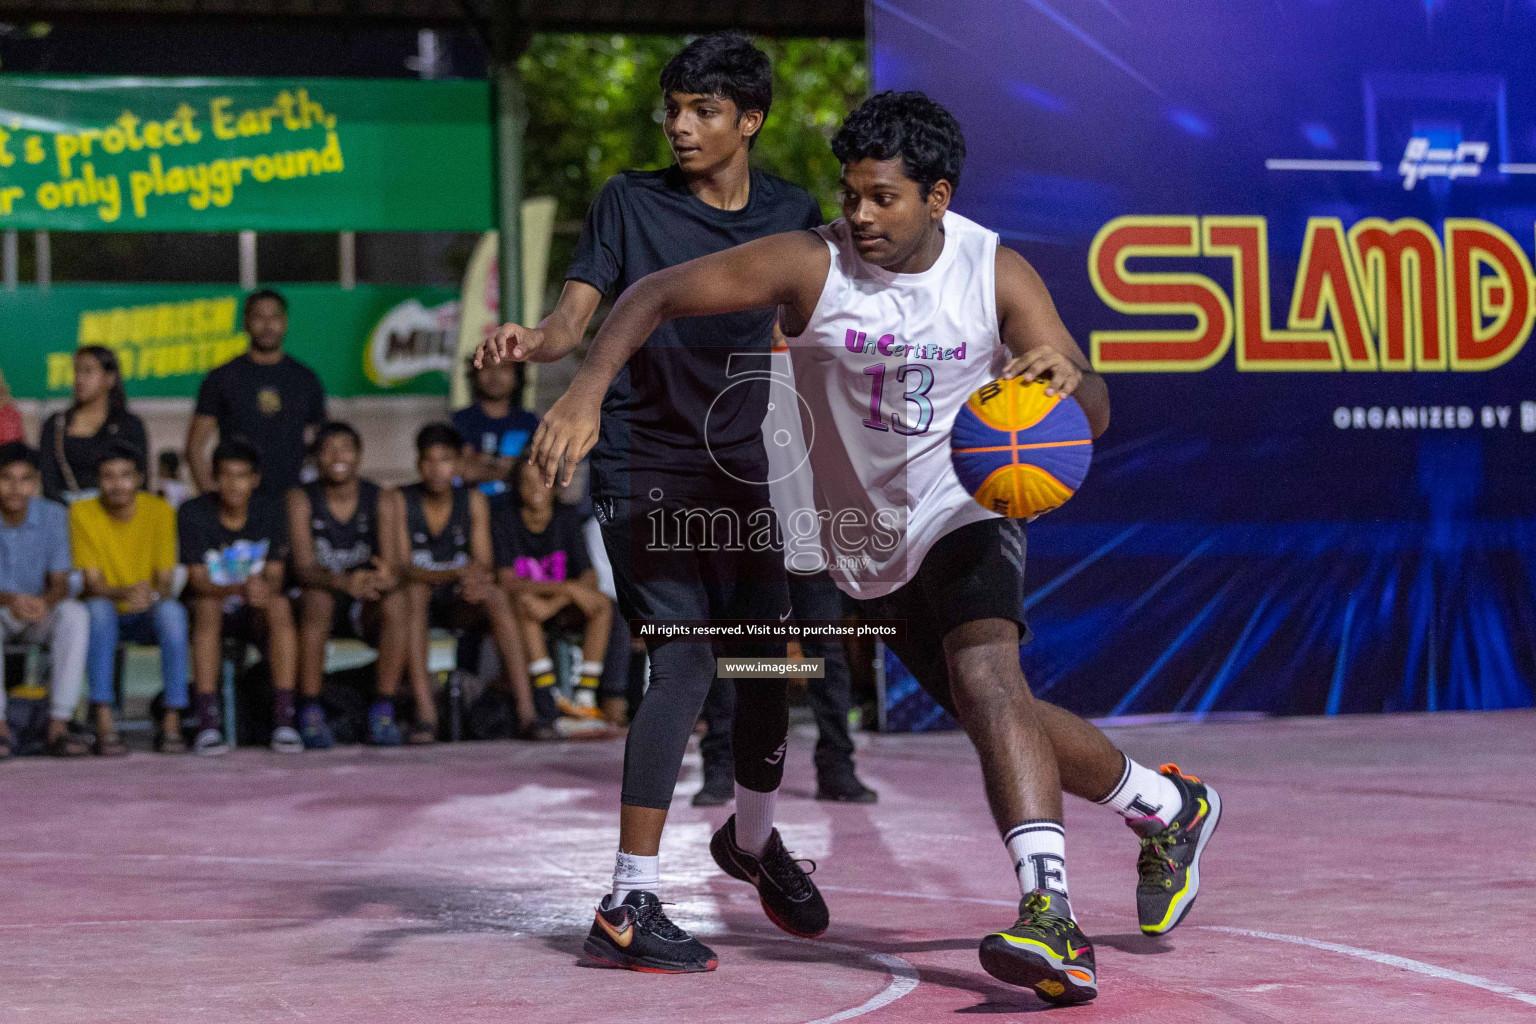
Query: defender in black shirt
{"points": [[344, 531], [681, 435], [446, 533]]}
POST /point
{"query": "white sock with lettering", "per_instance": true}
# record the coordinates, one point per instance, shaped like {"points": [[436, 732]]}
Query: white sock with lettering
{"points": [[754, 819], [631, 872], [1144, 793], [1039, 851]]}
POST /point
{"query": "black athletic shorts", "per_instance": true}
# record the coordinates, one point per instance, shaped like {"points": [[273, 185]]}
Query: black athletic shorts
{"points": [[970, 574], [241, 622], [447, 609], [698, 561]]}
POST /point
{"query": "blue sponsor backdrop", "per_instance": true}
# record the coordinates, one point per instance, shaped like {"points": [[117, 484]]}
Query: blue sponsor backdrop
{"points": [[1347, 521]]}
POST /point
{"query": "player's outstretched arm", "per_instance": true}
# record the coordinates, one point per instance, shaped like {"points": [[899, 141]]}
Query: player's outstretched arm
{"points": [[780, 270], [1041, 345], [556, 336]]}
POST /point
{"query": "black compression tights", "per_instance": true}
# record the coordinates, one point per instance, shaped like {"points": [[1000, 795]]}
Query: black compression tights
{"points": [[681, 675]]}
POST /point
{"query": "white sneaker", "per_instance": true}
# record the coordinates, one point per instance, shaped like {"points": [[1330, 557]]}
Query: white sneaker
{"points": [[286, 740], [209, 743]]}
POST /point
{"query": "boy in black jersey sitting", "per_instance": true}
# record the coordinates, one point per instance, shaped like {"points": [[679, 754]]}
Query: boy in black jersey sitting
{"points": [[446, 531], [233, 543], [344, 533], [541, 552]]}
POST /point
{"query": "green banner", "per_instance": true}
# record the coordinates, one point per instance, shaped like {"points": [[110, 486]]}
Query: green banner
{"points": [[265, 154], [368, 340]]}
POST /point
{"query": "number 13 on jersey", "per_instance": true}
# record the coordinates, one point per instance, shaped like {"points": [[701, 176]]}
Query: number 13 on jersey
{"points": [[917, 380]]}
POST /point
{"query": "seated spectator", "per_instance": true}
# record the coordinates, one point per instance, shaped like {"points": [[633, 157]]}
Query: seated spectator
{"points": [[343, 533], [495, 427], [451, 583], [73, 441], [34, 593], [234, 542], [168, 482], [10, 416], [125, 546], [542, 555]]}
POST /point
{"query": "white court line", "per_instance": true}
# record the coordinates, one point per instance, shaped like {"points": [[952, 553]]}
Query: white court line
{"points": [[903, 980], [1321, 165], [1517, 168], [903, 975], [1418, 967]]}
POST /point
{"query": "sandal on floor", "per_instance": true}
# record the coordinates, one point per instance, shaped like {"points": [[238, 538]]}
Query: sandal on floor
{"points": [[67, 744], [421, 734], [109, 745]]}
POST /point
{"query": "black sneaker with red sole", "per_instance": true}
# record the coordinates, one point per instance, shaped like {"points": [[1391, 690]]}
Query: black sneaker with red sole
{"points": [[789, 897], [637, 935]]}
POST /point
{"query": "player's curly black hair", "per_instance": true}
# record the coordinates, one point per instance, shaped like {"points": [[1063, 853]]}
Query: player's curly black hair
{"points": [[909, 125], [723, 64]]}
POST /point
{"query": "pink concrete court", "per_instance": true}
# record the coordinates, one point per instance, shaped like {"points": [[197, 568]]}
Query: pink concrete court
{"points": [[1367, 869]]}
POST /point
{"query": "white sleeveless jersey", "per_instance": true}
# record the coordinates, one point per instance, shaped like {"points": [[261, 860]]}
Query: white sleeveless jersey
{"points": [[882, 369]]}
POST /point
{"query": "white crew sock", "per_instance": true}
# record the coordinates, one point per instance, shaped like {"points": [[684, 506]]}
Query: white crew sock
{"points": [[1039, 851], [1144, 793], [754, 819], [631, 872]]}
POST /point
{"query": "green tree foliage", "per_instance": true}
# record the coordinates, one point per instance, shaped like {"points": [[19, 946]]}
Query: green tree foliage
{"points": [[594, 108]]}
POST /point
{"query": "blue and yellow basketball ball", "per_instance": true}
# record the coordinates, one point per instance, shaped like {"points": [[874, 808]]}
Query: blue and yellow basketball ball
{"points": [[1020, 451]]}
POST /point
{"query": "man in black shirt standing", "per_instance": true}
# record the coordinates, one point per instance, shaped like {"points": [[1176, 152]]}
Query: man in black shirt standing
{"points": [[265, 396], [682, 438]]}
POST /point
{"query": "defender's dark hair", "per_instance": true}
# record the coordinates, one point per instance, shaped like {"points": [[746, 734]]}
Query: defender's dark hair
{"points": [[237, 449], [908, 125], [169, 461], [434, 434], [333, 428], [13, 452], [723, 64], [117, 448], [257, 296]]}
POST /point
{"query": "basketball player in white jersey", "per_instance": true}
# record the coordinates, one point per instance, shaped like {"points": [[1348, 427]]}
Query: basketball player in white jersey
{"points": [[895, 313]]}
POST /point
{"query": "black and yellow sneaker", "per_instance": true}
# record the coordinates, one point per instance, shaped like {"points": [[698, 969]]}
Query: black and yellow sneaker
{"points": [[789, 897], [638, 936], [1169, 865], [1044, 951]]}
